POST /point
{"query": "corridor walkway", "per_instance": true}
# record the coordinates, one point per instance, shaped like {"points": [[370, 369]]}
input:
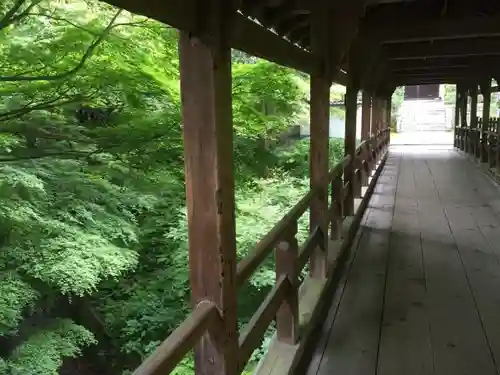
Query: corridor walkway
{"points": [[421, 294]]}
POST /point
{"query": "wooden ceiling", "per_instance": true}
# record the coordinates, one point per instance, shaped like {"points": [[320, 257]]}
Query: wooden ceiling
{"points": [[409, 41]]}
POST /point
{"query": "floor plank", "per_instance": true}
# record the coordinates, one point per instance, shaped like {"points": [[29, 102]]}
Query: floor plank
{"points": [[352, 345], [405, 345], [422, 295], [458, 340]]}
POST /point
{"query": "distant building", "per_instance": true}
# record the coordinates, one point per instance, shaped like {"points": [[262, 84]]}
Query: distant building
{"points": [[423, 109]]}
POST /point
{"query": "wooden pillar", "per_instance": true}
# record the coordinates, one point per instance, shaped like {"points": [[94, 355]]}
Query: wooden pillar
{"points": [[366, 116], [319, 137], [388, 106], [205, 69], [463, 118], [374, 115], [350, 145], [486, 91], [457, 116], [473, 121]]}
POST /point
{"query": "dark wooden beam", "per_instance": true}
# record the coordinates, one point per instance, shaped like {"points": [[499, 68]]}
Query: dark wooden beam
{"points": [[246, 35], [351, 99], [473, 62], [205, 70], [366, 115], [486, 92], [406, 81], [319, 128], [446, 71], [393, 31], [441, 49]]}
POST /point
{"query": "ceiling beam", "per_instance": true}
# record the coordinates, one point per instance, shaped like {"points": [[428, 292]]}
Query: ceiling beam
{"points": [[473, 62], [437, 81], [440, 49], [436, 29], [247, 35]]}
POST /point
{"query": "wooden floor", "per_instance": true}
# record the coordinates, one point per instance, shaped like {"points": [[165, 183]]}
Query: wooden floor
{"points": [[422, 291]]}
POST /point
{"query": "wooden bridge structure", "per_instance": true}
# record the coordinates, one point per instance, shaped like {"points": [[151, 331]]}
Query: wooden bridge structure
{"points": [[399, 273]]}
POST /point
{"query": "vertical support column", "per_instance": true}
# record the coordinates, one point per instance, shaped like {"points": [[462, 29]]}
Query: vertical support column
{"points": [[205, 68], [463, 119], [457, 116], [389, 118], [350, 145], [473, 121], [319, 137], [486, 91], [366, 116], [374, 115]]}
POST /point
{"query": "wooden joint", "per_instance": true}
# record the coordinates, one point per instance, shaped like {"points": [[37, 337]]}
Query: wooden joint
{"points": [[287, 317]]}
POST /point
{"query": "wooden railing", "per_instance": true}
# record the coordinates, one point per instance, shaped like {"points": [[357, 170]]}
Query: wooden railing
{"points": [[281, 304], [481, 141]]}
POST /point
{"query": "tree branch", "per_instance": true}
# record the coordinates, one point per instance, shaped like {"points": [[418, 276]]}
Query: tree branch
{"points": [[63, 155], [80, 65], [56, 18], [9, 17]]}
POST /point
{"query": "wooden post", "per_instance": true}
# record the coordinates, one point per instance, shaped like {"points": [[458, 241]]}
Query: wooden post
{"points": [[457, 115], [205, 69], [337, 213], [389, 117], [366, 115], [350, 145], [486, 91], [473, 120], [373, 129], [287, 317], [319, 137], [497, 156], [463, 119]]}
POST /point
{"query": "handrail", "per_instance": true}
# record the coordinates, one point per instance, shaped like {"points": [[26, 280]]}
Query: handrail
{"points": [[251, 337], [281, 302], [167, 356], [247, 266]]}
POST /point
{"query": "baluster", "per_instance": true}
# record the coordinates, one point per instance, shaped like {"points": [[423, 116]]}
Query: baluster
{"points": [[287, 317], [366, 163], [337, 211], [491, 143], [478, 138], [358, 177]]}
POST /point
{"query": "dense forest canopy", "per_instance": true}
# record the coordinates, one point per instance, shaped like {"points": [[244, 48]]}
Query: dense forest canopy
{"points": [[93, 257]]}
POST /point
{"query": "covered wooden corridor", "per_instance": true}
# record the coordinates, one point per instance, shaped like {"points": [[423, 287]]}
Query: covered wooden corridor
{"points": [[420, 294], [398, 273]]}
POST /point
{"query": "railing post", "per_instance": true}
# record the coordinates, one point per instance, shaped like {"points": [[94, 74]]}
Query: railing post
{"points": [[365, 165], [350, 145], [358, 174], [205, 69], [492, 143], [287, 317], [337, 213], [486, 91], [366, 115]]}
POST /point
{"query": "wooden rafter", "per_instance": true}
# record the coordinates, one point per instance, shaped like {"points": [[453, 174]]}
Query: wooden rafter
{"points": [[421, 30], [440, 49]]}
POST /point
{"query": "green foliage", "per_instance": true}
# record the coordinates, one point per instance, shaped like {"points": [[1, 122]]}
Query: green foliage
{"points": [[42, 353], [95, 210], [15, 295]]}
